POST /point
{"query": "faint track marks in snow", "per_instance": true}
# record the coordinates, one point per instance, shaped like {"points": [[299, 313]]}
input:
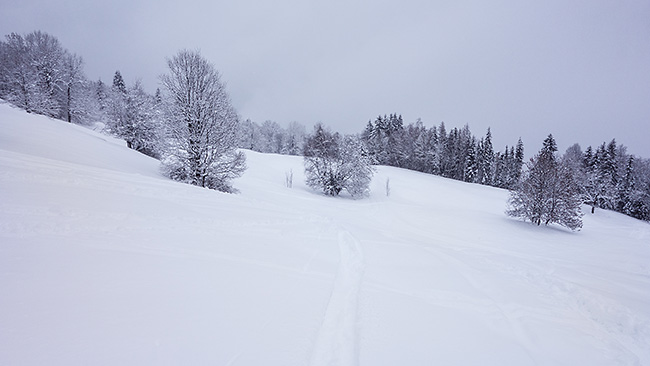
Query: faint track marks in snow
{"points": [[337, 342]]}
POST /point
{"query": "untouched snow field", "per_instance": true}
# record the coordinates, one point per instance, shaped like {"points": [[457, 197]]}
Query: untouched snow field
{"points": [[105, 262]]}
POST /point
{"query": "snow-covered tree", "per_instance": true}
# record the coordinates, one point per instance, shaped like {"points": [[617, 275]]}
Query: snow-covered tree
{"points": [[248, 135], [271, 137], [333, 163], [424, 151], [637, 180], [17, 76], [384, 139], [602, 171], [322, 163], [626, 188], [357, 167], [500, 176], [518, 162], [294, 139], [46, 57], [485, 160], [102, 99], [141, 128], [449, 160], [75, 104], [548, 193], [595, 187], [116, 106], [471, 167], [118, 83], [31, 72], [201, 125]]}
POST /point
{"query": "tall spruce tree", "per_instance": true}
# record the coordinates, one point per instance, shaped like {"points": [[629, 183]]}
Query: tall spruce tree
{"points": [[471, 167], [519, 161], [486, 159]]}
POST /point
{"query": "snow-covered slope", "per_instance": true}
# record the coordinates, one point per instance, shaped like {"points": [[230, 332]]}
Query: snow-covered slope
{"points": [[105, 262]]}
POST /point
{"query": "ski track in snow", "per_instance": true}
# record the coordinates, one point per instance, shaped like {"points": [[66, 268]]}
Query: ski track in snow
{"points": [[337, 342]]}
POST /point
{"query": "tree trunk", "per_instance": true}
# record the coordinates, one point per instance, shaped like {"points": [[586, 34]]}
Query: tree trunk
{"points": [[69, 115]]}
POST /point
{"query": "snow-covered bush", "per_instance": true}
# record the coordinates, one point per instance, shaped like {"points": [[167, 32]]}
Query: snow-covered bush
{"points": [[334, 163]]}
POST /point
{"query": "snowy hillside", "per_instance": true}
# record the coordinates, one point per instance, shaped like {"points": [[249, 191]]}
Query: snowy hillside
{"points": [[105, 262]]}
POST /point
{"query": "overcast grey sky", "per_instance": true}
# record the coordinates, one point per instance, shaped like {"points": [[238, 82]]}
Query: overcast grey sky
{"points": [[579, 69]]}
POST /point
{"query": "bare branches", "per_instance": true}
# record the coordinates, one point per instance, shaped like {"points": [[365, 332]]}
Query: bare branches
{"points": [[201, 124]]}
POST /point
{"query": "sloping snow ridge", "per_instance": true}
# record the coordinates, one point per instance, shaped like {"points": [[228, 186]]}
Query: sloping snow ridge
{"points": [[105, 262]]}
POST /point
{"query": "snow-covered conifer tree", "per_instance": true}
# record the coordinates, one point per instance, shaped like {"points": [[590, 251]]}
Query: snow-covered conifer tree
{"points": [[486, 160], [116, 106], [519, 162], [548, 193], [424, 151], [141, 128], [118, 83], [471, 168]]}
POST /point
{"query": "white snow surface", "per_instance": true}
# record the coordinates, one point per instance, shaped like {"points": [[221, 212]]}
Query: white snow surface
{"points": [[103, 261]]}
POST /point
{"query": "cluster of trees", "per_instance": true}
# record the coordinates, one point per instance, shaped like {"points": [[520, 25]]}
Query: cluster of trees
{"points": [[552, 188], [131, 113], [605, 177], [456, 154], [40, 76], [270, 137], [610, 178], [191, 126]]}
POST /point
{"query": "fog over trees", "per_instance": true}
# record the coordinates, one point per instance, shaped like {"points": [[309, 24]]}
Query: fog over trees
{"points": [[193, 128]]}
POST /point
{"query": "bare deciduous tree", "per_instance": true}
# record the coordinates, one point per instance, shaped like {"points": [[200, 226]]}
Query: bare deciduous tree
{"points": [[201, 125]]}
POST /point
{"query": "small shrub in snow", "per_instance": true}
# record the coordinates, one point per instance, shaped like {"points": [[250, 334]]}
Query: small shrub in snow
{"points": [[387, 187], [288, 178]]}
